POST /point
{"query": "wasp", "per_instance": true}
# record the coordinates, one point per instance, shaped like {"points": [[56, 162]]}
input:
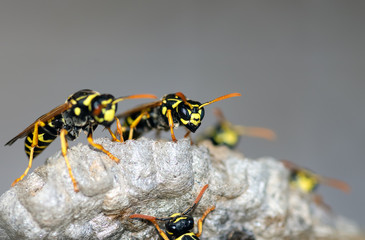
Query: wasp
{"points": [[179, 225], [225, 133], [168, 113], [308, 182], [82, 111]]}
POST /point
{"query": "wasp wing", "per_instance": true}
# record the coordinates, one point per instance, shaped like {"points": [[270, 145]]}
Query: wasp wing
{"points": [[139, 108], [44, 118]]}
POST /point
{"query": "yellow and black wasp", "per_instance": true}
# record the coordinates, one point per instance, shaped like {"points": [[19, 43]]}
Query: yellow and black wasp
{"points": [[179, 225], [82, 111], [225, 133], [168, 113], [307, 181]]}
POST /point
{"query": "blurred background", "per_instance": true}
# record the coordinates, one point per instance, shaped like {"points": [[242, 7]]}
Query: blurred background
{"points": [[300, 66]]}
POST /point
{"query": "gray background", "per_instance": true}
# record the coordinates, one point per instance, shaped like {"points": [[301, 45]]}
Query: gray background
{"points": [[299, 65]]}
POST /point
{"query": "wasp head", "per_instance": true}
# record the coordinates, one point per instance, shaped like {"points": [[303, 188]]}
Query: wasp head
{"points": [[103, 108], [190, 114]]}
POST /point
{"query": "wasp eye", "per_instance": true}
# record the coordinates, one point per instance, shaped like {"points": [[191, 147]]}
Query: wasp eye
{"points": [[97, 108], [171, 227], [183, 112], [190, 224]]}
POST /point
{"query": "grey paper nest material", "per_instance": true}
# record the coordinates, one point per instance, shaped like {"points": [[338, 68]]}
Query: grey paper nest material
{"points": [[252, 197]]}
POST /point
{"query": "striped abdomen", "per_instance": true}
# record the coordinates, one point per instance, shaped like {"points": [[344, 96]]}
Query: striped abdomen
{"points": [[46, 135]]}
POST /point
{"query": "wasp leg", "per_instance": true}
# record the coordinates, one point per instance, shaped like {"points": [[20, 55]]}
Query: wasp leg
{"points": [[64, 146], [320, 202], [119, 129], [162, 233], [187, 135], [158, 134], [114, 138], [200, 221], [100, 147], [171, 125], [153, 221], [34, 144], [135, 123]]}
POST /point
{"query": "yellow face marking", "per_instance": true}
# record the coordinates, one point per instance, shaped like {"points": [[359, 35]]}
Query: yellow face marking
{"points": [[73, 101], [77, 111], [99, 119], [195, 119], [184, 121], [109, 115]]}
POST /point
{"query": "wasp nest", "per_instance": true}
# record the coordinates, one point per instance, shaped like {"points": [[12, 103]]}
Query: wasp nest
{"points": [[253, 198]]}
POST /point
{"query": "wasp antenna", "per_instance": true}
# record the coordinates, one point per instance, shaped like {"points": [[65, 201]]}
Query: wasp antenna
{"points": [[196, 200], [182, 96], [135, 96], [221, 98], [150, 218]]}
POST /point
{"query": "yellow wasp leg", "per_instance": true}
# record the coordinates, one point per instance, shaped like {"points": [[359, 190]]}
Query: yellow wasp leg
{"points": [[135, 123], [171, 124], [119, 129], [114, 138], [162, 233], [64, 146], [200, 221], [34, 144], [187, 134], [101, 148]]}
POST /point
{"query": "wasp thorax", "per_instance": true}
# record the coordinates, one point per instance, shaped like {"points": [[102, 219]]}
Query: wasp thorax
{"points": [[103, 109], [180, 225]]}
